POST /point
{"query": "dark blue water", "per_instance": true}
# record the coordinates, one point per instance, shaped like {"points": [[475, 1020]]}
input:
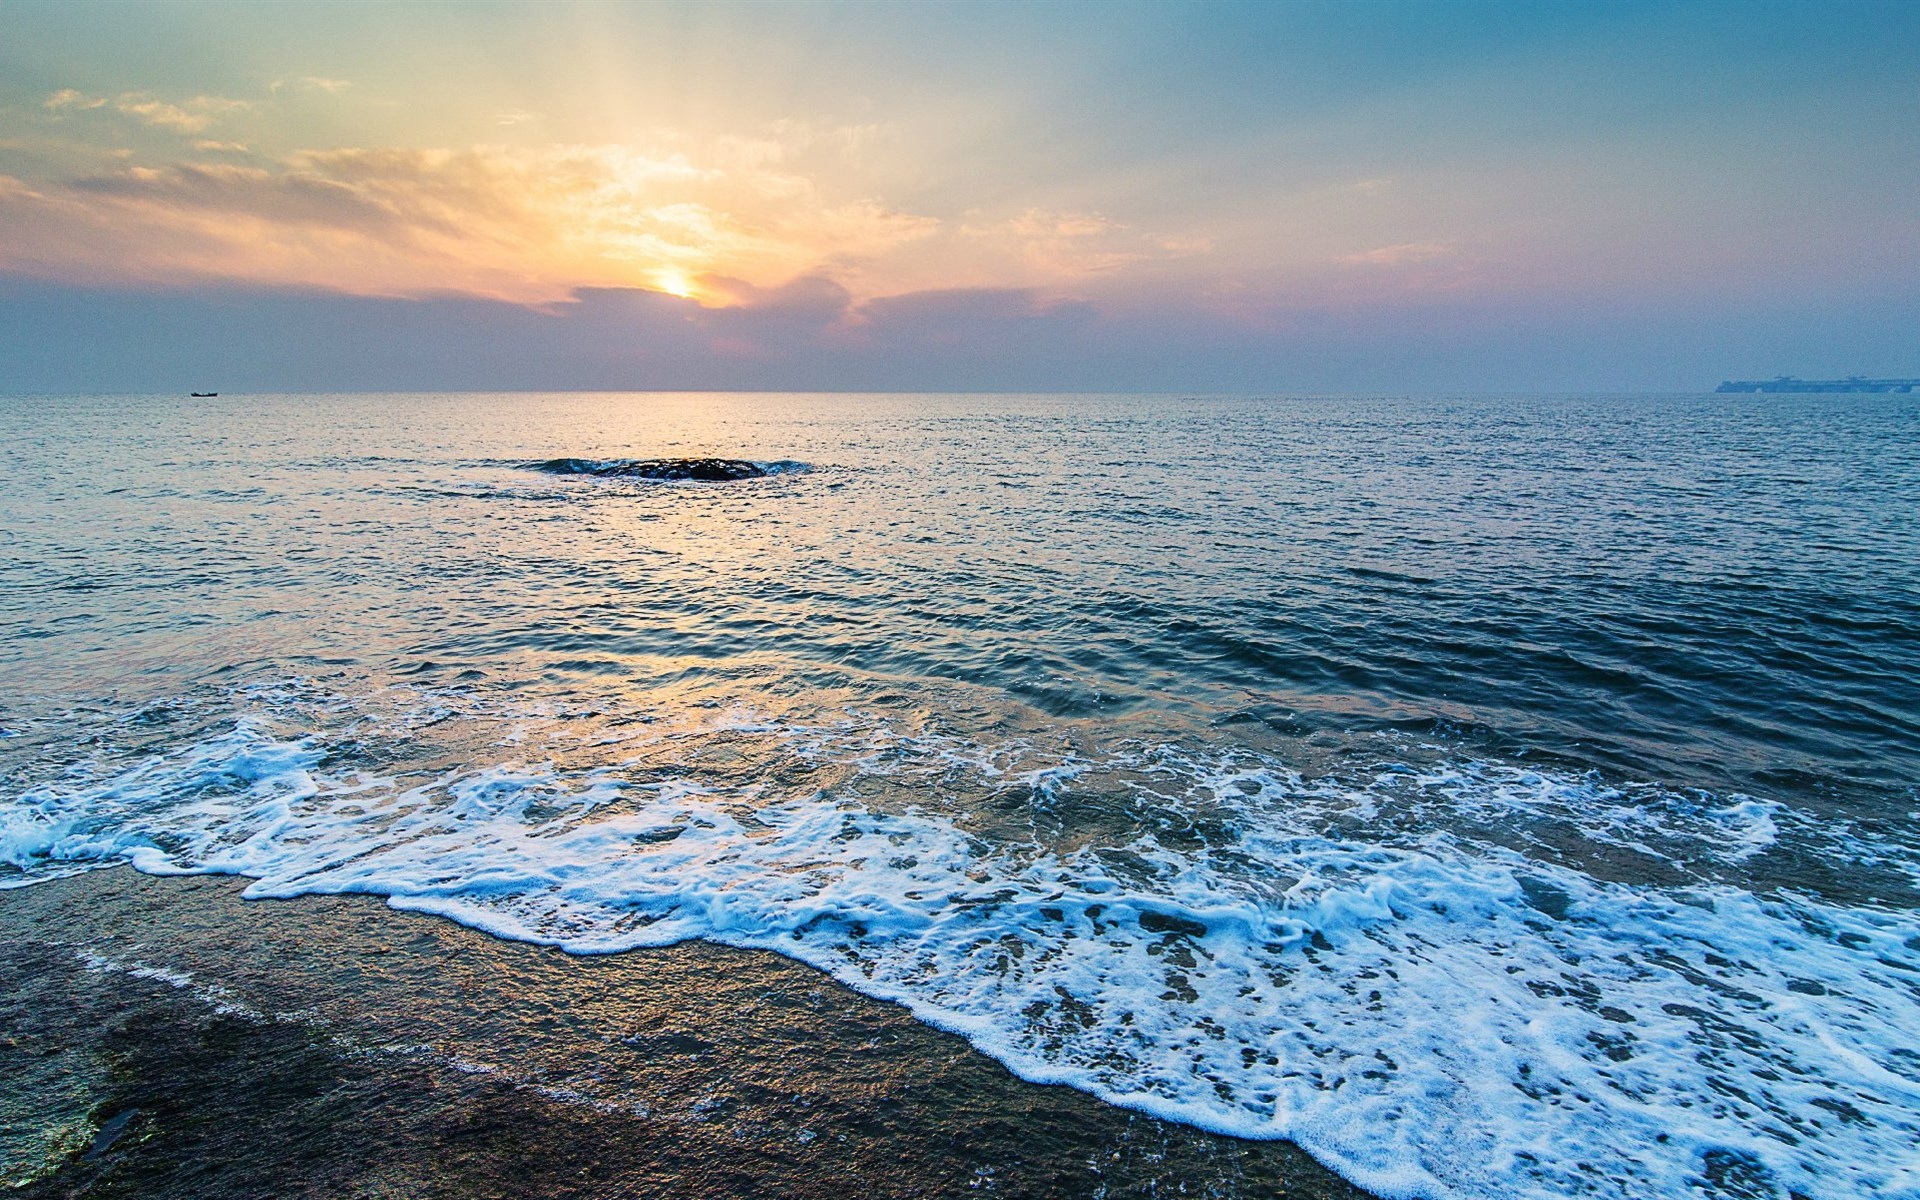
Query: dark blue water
{"points": [[1476, 790]]}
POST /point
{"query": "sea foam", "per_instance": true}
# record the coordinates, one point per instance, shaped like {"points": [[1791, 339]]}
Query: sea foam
{"points": [[1429, 1011]]}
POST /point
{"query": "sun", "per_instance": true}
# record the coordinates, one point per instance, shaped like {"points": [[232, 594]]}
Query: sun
{"points": [[675, 282]]}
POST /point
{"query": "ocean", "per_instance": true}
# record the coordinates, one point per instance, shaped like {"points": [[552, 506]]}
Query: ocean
{"points": [[1495, 796]]}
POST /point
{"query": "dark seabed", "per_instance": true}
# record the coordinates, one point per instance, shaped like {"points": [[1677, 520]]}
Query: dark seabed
{"points": [[1496, 797]]}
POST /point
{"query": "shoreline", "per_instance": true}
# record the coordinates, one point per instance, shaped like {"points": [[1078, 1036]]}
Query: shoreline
{"points": [[161, 1036]]}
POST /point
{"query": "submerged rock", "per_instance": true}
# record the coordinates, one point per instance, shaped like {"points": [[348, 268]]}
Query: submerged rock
{"points": [[705, 469]]}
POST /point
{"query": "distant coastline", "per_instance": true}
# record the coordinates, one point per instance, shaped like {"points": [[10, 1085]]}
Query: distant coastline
{"points": [[1787, 383]]}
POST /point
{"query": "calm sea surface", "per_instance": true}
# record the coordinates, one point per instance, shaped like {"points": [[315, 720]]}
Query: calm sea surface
{"points": [[1501, 797]]}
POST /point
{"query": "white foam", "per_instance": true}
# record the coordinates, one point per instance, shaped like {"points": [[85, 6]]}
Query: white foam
{"points": [[213, 995], [1428, 1012]]}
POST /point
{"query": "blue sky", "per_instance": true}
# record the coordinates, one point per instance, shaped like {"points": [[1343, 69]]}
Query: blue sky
{"points": [[1308, 197]]}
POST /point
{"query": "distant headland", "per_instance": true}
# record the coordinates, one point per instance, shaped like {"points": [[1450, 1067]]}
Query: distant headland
{"points": [[1787, 383]]}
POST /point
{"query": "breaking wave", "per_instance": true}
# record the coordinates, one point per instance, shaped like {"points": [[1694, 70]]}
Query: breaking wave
{"points": [[1424, 975]]}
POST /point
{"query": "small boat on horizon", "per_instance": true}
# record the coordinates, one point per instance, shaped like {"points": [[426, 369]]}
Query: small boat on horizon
{"points": [[203, 395]]}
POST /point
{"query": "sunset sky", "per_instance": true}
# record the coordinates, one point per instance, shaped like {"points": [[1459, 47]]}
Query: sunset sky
{"points": [[1331, 197]]}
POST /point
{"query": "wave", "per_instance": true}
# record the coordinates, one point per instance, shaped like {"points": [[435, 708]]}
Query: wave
{"points": [[1253, 951]]}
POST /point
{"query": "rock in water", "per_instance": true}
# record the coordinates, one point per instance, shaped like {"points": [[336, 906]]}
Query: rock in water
{"points": [[694, 468], [706, 469]]}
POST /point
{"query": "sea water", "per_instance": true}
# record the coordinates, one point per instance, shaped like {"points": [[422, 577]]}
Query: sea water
{"points": [[1497, 796]]}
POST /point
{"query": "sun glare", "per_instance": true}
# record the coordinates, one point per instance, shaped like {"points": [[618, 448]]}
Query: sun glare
{"points": [[675, 282]]}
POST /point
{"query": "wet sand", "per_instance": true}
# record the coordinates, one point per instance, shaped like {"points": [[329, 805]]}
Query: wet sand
{"points": [[163, 1037]]}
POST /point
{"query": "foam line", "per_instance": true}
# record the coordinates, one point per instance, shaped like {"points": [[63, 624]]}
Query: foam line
{"points": [[1430, 1013]]}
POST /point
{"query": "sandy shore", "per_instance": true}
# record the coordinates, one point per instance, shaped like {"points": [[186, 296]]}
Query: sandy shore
{"points": [[163, 1037]]}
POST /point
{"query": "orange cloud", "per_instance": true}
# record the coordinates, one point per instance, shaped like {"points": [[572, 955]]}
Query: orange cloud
{"points": [[526, 225]]}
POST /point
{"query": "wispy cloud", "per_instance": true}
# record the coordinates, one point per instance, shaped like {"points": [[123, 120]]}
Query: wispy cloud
{"points": [[69, 98], [1058, 245], [192, 117], [309, 83], [1399, 255], [189, 116]]}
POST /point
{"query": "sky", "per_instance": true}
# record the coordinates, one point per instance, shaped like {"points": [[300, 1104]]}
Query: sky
{"points": [[1309, 197]]}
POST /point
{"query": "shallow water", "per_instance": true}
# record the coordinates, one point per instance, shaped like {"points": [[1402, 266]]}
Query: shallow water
{"points": [[1499, 797]]}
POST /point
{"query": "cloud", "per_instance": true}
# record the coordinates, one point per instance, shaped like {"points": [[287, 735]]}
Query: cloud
{"points": [[1183, 245], [810, 297], [789, 141], [69, 98], [193, 117], [189, 116], [961, 317], [310, 83], [522, 224], [203, 190], [811, 335], [530, 224], [1394, 256], [1052, 246]]}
